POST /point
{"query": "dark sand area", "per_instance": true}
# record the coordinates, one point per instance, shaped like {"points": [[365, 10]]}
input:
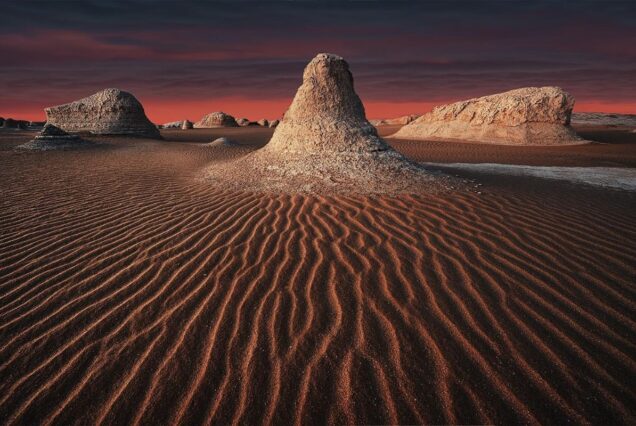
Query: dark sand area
{"points": [[131, 291]]}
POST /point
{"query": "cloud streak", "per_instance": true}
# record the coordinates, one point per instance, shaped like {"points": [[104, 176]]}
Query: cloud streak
{"points": [[195, 54]]}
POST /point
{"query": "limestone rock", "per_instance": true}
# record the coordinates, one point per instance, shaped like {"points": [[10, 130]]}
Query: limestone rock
{"points": [[52, 137], [187, 124], [400, 121], [172, 125], [274, 123], [527, 116], [324, 144], [109, 112], [603, 119], [263, 122], [216, 119], [243, 122]]}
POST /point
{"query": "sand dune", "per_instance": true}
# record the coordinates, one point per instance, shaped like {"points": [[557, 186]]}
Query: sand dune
{"points": [[130, 292]]}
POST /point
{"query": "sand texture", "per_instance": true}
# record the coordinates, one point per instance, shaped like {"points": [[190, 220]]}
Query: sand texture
{"points": [[133, 293]]}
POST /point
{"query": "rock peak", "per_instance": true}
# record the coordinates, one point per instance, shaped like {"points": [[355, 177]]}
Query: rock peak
{"points": [[326, 114]]}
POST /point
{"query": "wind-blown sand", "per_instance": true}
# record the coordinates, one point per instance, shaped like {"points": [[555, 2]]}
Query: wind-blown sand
{"points": [[132, 292]]}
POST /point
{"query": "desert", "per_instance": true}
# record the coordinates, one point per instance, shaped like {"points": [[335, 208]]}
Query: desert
{"points": [[163, 261]]}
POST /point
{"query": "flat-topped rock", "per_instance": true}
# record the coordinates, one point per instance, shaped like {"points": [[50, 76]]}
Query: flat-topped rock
{"points": [[108, 112], [324, 144], [527, 116], [216, 119]]}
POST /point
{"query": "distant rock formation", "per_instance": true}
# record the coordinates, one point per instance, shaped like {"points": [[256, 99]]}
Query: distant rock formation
{"points": [[400, 121], [172, 125], [527, 116], [243, 122], [10, 123], [263, 122], [187, 124], [52, 137], [324, 143], [603, 119], [274, 123], [108, 112], [216, 119]]}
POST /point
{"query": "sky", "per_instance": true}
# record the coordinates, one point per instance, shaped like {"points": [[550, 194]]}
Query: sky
{"points": [[183, 59]]}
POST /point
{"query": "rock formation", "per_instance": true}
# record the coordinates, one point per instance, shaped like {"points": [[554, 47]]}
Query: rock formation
{"points": [[263, 122], [172, 125], [400, 121], [243, 122], [527, 116], [324, 143], [274, 123], [10, 123], [216, 119], [109, 112], [603, 119], [52, 137], [187, 124]]}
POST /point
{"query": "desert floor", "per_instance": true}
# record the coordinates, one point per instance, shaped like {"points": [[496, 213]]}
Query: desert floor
{"points": [[133, 292]]}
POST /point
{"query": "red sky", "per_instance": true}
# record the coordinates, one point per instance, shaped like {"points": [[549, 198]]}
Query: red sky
{"points": [[162, 111], [189, 58]]}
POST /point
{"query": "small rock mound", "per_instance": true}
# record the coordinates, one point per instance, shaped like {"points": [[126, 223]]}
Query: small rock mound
{"points": [[527, 116], [263, 122], [324, 144], [243, 122], [52, 137], [109, 112], [222, 142], [187, 124], [274, 123], [216, 119]]}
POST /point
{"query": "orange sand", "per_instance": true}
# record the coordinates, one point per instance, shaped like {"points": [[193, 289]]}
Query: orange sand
{"points": [[131, 292]]}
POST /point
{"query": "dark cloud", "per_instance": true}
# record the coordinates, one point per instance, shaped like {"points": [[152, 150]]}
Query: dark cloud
{"points": [[54, 51]]}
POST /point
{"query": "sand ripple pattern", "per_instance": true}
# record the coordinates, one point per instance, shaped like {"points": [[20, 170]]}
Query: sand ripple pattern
{"points": [[145, 298]]}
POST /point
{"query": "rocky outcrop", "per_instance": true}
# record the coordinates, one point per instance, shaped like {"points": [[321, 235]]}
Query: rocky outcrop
{"points": [[172, 125], [52, 137], [243, 122], [400, 121], [603, 119], [274, 123], [187, 124], [216, 119], [528, 116], [263, 122], [109, 112], [10, 123], [324, 143]]}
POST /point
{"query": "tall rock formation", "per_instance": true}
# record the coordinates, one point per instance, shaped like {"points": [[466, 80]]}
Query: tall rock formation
{"points": [[108, 112], [527, 116], [324, 143]]}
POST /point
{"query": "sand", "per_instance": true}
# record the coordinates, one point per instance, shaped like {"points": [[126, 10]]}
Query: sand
{"points": [[132, 292]]}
